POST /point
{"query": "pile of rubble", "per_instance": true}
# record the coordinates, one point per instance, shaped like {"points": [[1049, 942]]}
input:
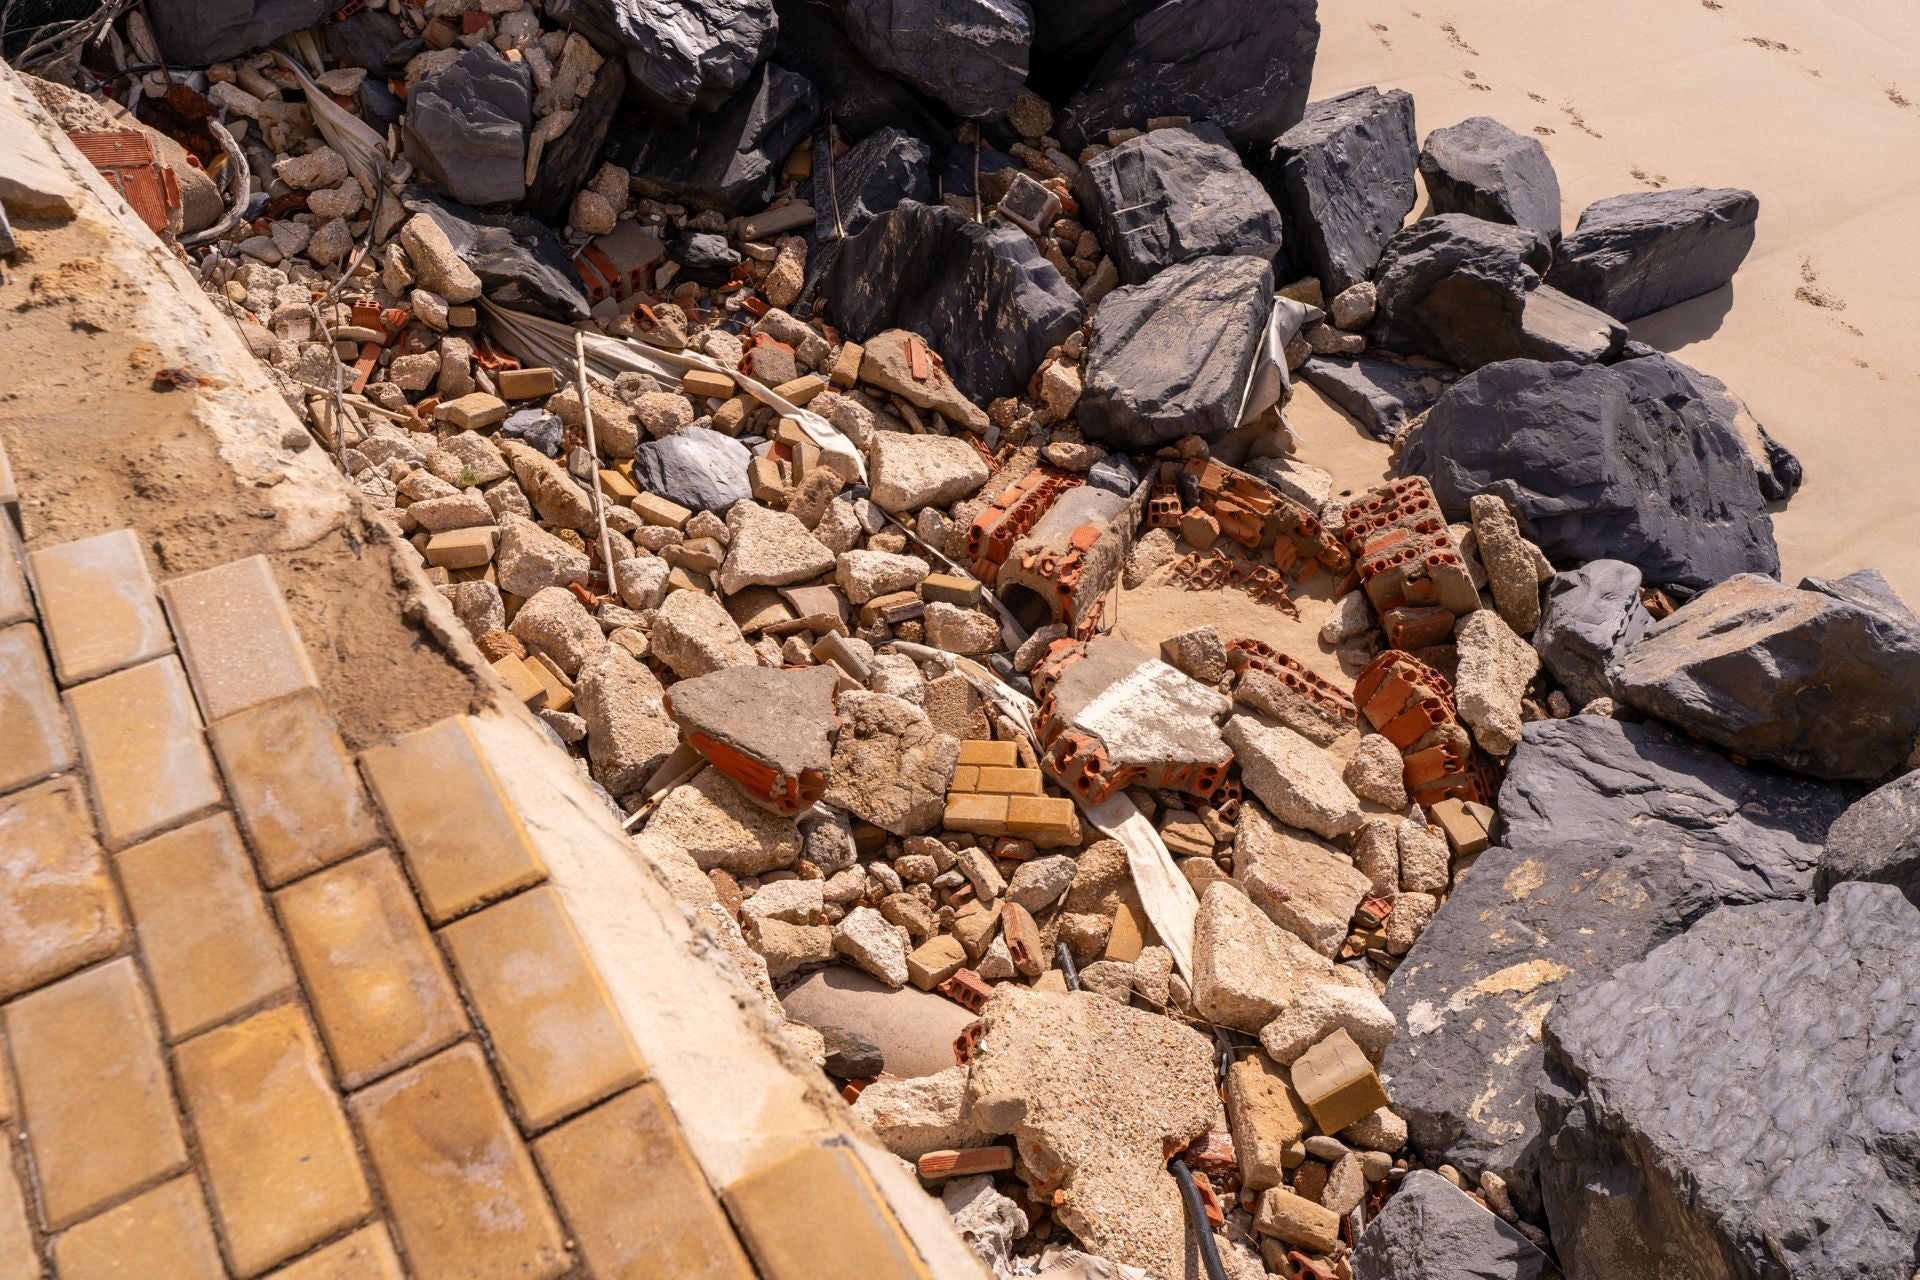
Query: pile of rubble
{"points": [[917, 335]]}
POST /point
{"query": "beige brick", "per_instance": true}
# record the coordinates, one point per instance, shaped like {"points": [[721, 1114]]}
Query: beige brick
{"points": [[700, 382], [526, 384], [163, 1232], [980, 814], [462, 548], [97, 605], [380, 993], [273, 1140], [146, 759], [1003, 755], [237, 639], [558, 1041], [463, 843], [846, 364], [521, 682], [294, 786], [210, 946], [633, 1195], [435, 1133], [94, 1096], [995, 780], [367, 1254], [58, 910], [16, 602], [616, 488], [816, 1215], [473, 411], [18, 1259], [1048, 821], [6, 1084], [654, 509], [31, 722], [1337, 1083]]}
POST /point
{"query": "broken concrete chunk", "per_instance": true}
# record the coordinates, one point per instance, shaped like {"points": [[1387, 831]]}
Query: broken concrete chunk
{"points": [[1495, 668], [891, 767], [628, 731], [1246, 968], [911, 472], [1318, 1011], [866, 938], [769, 549], [1302, 884], [693, 635], [719, 827], [928, 1113], [1297, 781], [770, 730]]}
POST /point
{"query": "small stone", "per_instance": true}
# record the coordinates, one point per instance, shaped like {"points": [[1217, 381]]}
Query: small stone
{"points": [[1246, 969], [436, 264], [1200, 653], [1412, 912], [1350, 616], [1297, 781], [963, 631], [1495, 668], [862, 575], [1424, 858], [1510, 562], [1375, 772], [1353, 307], [880, 948], [718, 826], [769, 549], [693, 634]]}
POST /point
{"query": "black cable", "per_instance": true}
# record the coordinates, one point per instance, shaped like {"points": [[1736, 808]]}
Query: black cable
{"points": [[1065, 957], [1197, 1219]]}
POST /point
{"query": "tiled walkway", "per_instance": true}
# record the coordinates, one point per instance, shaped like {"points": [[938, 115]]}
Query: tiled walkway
{"points": [[260, 1019]]}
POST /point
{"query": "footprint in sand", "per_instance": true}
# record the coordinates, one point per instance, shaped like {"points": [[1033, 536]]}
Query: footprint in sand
{"points": [[1813, 295], [1577, 120], [1711, 4], [1899, 99], [1379, 30], [1453, 38], [1473, 82], [1654, 180], [1775, 45], [1543, 131]]}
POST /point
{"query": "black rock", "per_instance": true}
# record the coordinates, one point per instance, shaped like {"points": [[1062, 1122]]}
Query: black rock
{"points": [[1636, 254], [861, 97], [544, 431], [1482, 168], [1818, 682], [366, 40], [520, 261], [1116, 474], [1172, 357], [871, 177], [193, 33], [1592, 475], [1589, 616], [1175, 194], [980, 294], [969, 54], [1430, 1229], [697, 468], [1877, 839], [466, 127], [1466, 291], [1243, 64], [1679, 396], [570, 159], [705, 257], [1742, 1102], [1380, 395], [682, 56], [1343, 177], [1070, 35], [850, 1055], [728, 159]]}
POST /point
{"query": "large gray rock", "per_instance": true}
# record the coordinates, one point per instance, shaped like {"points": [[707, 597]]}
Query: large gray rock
{"points": [[1639, 253], [1743, 1102], [466, 127], [1877, 839], [681, 55], [1815, 682], [1590, 615], [728, 158], [1481, 167], [1595, 468], [1680, 398], [862, 97], [1380, 395], [1344, 178], [193, 33], [884, 168], [1430, 1229], [520, 261], [970, 54], [570, 159], [1469, 292], [1173, 356], [1176, 194], [697, 468], [981, 295], [1243, 64]]}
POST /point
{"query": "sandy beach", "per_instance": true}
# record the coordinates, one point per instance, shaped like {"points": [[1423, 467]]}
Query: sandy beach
{"points": [[1815, 107]]}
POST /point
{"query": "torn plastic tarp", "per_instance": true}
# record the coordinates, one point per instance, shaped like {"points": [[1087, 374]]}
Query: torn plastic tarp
{"points": [[550, 343], [1267, 381], [358, 144]]}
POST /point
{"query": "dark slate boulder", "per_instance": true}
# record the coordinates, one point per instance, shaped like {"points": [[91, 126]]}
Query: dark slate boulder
{"points": [[705, 257], [367, 40], [969, 54], [1468, 292], [1243, 64], [1590, 615], [520, 261], [1636, 254], [1172, 195], [861, 97], [697, 468], [980, 294], [1378, 394], [682, 56], [1430, 1229], [1877, 839], [1343, 177], [1482, 168], [1811, 681], [466, 127], [727, 160], [570, 159], [1172, 357], [1570, 449], [1680, 397], [872, 176], [193, 33], [1743, 1102]]}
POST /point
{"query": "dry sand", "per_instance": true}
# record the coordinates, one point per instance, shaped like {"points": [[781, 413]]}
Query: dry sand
{"points": [[1813, 105]]}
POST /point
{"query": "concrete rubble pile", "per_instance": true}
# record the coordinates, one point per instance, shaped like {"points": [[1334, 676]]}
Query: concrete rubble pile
{"points": [[907, 360]]}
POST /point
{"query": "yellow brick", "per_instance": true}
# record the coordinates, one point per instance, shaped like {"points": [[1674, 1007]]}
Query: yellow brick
{"points": [[17, 1255], [522, 683], [162, 1232], [764, 480], [525, 384], [463, 843], [616, 488], [788, 431], [998, 754], [555, 692], [97, 605], [634, 1197], [236, 637], [1045, 820], [557, 1040], [94, 1097], [801, 389], [367, 1254], [31, 722], [273, 1140], [58, 910], [462, 548], [380, 993], [951, 589], [846, 364], [966, 778], [436, 1132], [981, 815], [293, 783], [1010, 782], [1124, 941], [146, 760], [816, 1215], [654, 509], [700, 382], [1337, 1083], [210, 947]]}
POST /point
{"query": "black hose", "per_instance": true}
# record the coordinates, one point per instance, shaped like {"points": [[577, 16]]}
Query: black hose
{"points": [[1067, 971], [1197, 1219]]}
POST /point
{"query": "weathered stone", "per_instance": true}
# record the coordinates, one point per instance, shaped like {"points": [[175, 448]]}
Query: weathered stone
{"points": [[963, 631], [1432, 1230], [927, 1113], [1343, 176], [700, 469], [628, 730], [1495, 668], [1482, 168], [1877, 839], [1381, 396], [1246, 968], [520, 261], [1375, 772], [681, 55], [1317, 1011], [862, 575], [466, 127], [1426, 865], [890, 766], [1635, 254], [1511, 563], [1200, 653], [192, 35], [866, 938], [1592, 614], [1302, 884], [554, 622], [1040, 882], [641, 581], [693, 634], [719, 827], [988, 1221], [769, 549], [969, 54], [910, 472], [1297, 781], [1267, 1119], [435, 261]]}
